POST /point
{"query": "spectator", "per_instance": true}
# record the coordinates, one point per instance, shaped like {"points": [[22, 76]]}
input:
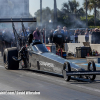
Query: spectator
{"points": [[96, 30], [76, 36], [95, 36], [87, 35], [90, 32], [78, 31], [82, 32], [99, 29]]}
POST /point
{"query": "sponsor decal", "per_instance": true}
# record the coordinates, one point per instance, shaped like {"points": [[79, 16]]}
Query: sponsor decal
{"points": [[46, 64]]}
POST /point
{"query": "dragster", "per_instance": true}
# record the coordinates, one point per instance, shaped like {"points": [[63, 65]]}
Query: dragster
{"points": [[36, 56]]}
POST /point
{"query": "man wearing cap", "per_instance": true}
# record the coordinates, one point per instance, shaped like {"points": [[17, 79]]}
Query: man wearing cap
{"points": [[58, 30], [58, 36]]}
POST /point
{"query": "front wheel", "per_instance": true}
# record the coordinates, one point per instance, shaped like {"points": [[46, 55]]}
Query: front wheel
{"points": [[91, 67], [66, 68]]}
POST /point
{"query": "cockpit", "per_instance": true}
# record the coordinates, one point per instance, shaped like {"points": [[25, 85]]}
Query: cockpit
{"points": [[38, 47]]}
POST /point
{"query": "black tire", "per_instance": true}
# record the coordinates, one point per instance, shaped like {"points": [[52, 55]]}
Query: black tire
{"points": [[26, 63], [38, 65], [66, 68], [91, 68], [9, 63]]}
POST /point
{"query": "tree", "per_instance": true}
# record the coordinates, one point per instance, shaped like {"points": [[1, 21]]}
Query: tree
{"points": [[92, 4], [72, 13], [72, 8], [46, 15]]}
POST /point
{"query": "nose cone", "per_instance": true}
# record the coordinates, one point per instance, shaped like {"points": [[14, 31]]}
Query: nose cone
{"points": [[75, 67]]}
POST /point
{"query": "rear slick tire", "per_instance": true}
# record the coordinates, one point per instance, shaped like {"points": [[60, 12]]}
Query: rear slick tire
{"points": [[9, 63]]}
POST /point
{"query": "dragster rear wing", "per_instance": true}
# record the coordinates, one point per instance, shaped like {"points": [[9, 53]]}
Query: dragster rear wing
{"points": [[12, 20], [2, 20]]}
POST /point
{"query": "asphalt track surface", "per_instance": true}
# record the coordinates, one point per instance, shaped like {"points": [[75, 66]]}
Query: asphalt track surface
{"points": [[51, 87]]}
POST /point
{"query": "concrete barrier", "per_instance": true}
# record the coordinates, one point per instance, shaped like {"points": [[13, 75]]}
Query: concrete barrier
{"points": [[96, 59], [81, 38], [71, 47], [95, 47]]}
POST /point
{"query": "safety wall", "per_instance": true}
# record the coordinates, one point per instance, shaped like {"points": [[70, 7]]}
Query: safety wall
{"points": [[71, 47], [81, 38]]}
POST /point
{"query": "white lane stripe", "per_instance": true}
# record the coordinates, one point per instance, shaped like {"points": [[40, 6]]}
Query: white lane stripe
{"points": [[88, 88], [81, 86]]}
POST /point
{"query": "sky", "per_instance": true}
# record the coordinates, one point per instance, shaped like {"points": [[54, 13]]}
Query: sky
{"points": [[34, 5]]}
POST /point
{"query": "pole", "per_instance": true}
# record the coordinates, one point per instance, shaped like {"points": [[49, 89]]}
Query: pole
{"points": [[45, 33], [55, 13], [41, 13], [86, 15]]}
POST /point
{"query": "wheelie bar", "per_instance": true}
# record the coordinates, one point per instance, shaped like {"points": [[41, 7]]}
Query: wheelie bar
{"points": [[74, 73]]}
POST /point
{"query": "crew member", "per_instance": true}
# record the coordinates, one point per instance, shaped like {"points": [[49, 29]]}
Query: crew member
{"points": [[58, 30], [57, 39], [36, 35], [66, 35]]}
